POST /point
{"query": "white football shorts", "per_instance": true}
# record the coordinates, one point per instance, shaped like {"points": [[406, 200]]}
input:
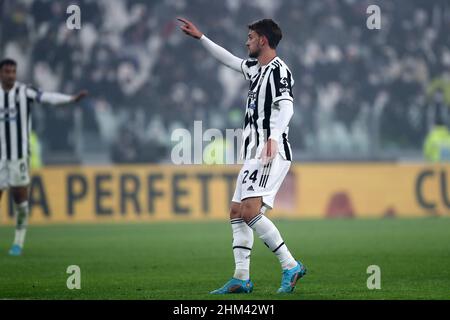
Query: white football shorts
{"points": [[14, 173], [256, 180]]}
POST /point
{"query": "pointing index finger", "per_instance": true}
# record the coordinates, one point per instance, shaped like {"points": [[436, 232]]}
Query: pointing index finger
{"points": [[183, 20]]}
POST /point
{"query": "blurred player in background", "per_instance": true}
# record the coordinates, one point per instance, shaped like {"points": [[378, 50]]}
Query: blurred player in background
{"points": [[265, 150], [15, 128]]}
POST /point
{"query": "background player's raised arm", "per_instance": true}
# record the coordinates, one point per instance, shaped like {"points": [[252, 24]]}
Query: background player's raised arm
{"points": [[221, 54], [54, 98]]}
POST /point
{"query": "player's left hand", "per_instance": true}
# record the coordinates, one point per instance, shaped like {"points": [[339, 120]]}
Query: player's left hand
{"points": [[80, 95], [269, 151]]}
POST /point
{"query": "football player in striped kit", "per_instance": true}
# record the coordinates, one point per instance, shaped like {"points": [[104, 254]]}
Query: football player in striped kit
{"points": [[265, 149], [16, 100]]}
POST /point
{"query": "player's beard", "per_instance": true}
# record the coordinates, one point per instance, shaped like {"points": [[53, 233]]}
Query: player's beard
{"points": [[254, 54]]}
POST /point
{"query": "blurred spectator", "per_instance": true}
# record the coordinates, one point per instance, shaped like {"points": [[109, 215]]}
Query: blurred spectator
{"points": [[437, 142], [36, 154], [126, 147]]}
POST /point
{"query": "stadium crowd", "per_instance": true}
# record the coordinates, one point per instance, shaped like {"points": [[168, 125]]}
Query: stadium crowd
{"points": [[357, 92]]}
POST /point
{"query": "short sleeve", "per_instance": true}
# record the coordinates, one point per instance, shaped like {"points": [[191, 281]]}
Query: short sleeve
{"points": [[282, 82], [249, 68], [33, 94]]}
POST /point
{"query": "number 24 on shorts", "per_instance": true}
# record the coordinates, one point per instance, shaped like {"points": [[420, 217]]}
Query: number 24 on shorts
{"points": [[253, 177]]}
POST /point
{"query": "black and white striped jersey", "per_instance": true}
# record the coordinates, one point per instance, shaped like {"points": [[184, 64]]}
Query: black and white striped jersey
{"points": [[15, 121], [15, 117], [269, 85]]}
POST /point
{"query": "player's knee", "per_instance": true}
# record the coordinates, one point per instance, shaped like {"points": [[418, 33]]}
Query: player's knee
{"points": [[235, 211], [19, 194], [248, 211]]}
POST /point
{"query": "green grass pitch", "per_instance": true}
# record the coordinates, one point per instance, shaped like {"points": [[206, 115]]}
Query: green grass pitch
{"points": [[187, 260]]}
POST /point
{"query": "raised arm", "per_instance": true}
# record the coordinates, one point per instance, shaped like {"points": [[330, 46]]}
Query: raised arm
{"points": [[55, 98], [221, 54]]}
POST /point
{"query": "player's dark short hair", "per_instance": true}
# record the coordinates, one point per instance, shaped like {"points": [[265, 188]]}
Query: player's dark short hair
{"points": [[7, 62], [269, 29]]}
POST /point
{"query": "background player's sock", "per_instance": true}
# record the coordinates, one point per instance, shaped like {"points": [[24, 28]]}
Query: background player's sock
{"points": [[269, 233], [21, 211], [242, 248]]}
